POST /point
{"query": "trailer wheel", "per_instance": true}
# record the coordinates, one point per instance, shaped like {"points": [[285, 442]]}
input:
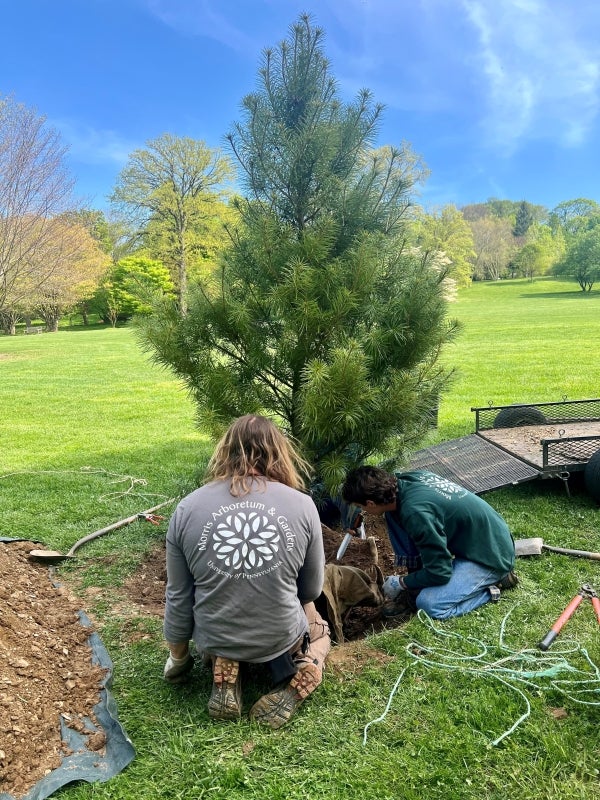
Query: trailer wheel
{"points": [[515, 417], [591, 476]]}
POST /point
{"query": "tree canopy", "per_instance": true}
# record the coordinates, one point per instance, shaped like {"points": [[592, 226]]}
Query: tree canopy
{"points": [[171, 186], [582, 259], [35, 188], [447, 232]]}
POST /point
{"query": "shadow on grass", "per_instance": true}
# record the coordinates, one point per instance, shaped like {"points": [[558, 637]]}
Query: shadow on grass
{"points": [[528, 288], [567, 295], [96, 326]]}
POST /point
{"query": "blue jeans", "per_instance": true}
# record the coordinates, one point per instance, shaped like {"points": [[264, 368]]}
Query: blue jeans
{"points": [[467, 589]]}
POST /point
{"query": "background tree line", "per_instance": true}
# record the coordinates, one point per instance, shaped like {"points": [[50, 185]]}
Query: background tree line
{"points": [[172, 213]]}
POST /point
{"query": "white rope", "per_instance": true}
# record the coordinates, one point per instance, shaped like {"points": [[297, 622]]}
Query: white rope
{"points": [[526, 667], [133, 481], [387, 708]]}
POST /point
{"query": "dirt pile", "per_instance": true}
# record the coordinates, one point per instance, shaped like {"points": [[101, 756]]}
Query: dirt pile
{"points": [[46, 671], [146, 588]]}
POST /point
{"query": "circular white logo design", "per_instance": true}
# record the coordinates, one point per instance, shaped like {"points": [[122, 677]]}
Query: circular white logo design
{"points": [[246, 540]]}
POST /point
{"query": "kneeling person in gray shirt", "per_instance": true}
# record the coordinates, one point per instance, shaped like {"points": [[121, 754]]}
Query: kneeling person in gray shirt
{"points": [[245, 563]]}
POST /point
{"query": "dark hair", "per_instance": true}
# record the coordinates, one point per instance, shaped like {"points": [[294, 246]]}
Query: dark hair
{"points": [[369, 483]]}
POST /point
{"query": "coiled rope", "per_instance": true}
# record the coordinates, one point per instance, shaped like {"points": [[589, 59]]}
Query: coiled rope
{"points": [[133, 482], [518, 668]]}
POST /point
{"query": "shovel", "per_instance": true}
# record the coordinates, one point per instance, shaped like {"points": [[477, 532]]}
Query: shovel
{"points": [[54, 557], [347, 539], [535, 547]]}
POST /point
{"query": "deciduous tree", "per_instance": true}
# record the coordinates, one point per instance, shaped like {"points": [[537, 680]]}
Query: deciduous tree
{"points": [[446, 231], [541, 251], [582, 259], [131, 286], [78, 262], [35, 188], [494, 247], [174, 183]]}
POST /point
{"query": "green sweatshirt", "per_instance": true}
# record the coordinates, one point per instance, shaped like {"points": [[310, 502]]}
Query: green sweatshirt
{"points": [[445, 520]]}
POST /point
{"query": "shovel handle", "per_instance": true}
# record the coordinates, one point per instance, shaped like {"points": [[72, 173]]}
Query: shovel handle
{"points": [[564, 617], [566, 552], [115, 525]]}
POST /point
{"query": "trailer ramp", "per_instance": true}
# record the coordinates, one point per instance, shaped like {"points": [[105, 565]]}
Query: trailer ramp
{"points": [[474, 463]]}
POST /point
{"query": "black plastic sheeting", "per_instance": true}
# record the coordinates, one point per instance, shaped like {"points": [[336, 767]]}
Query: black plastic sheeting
{"points": [[84, 764]]}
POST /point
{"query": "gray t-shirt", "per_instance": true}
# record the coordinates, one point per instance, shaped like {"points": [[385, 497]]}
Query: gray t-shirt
{"points": [[240, 568]]}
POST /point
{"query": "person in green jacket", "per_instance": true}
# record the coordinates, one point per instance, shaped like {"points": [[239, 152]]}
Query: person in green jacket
{"points": [[457, 550]]}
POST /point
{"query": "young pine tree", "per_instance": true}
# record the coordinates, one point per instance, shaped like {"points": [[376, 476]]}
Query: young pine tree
{"points": [[321, 316]]}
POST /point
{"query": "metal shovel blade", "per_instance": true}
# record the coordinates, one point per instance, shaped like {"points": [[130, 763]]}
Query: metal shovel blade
{"points": [[346, 540], [529, 547]]}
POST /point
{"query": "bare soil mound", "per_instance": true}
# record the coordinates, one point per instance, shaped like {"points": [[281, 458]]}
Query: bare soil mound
{"points": [[46, 671]]}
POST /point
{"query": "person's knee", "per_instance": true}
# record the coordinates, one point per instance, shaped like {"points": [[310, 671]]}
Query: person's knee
{"points": [[434, 612], [437, 608], [427, 602]]}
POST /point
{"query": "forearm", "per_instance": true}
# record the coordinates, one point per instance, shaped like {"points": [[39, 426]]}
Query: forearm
{"points": [[178, 624], [310, 582]]}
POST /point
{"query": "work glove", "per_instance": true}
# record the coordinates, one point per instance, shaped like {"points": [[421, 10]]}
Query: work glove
{"points": [[176, 669]]}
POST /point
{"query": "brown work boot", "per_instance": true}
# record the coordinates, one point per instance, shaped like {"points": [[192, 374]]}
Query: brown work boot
{"points": [[277, 707], [226, 696], [509, 581]]}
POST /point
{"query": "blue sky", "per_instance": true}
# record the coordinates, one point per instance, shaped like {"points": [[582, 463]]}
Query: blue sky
{"points": [[501, 98]]}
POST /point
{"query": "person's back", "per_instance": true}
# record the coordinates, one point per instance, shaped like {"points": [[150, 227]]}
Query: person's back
{"points": [[457, 550], [429, 506], [245, 555]]}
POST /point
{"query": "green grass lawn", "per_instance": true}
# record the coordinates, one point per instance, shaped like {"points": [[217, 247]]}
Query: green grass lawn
{"points": [[92, 432], [521, 342]]}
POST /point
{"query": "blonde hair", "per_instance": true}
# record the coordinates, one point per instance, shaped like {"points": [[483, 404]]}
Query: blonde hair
{"points": [[253, 448]]}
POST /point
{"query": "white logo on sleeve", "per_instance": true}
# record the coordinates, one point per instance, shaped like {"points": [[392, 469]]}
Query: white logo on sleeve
{"points": [[246, 540]]}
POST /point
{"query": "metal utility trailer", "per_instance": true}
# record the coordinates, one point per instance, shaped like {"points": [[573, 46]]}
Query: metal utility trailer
{"points": [[517, 443]]}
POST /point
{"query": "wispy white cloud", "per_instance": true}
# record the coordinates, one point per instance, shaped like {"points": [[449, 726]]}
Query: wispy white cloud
{"points": [[213, 20], [92, 146], [520, 69], [541, 69]]}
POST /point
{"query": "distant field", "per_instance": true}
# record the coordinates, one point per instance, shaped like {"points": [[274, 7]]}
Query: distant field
{"points": [[521, 342]]}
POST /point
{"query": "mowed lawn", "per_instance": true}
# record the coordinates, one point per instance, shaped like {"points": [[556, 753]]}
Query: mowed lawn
{"points": [[92, 432], [521, 342]]}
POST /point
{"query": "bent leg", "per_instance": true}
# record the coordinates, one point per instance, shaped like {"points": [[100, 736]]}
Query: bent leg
{"points": [[467, 589], [277, 707], [320, 640]]}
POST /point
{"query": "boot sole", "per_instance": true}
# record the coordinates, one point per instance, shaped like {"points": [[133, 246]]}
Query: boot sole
{"points": [[226, 697], [277, 707]]}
